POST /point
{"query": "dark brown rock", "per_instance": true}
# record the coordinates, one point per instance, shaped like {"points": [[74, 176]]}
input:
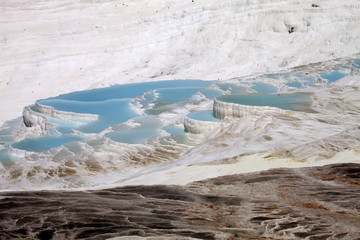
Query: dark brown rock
{"points": [[313, 203]]}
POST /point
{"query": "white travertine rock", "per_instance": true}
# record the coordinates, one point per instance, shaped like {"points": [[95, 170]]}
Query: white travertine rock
{"points": [[52, 47], [226, 109], [64, 115], [329, 146], [197, 126], [18, 152], [35, 120]]}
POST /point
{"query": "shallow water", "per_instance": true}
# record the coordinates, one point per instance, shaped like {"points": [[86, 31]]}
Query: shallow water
{"points": [[112, 111], [148, 127], [129, 90], [211, 93], [133, 136], [294, 84], [262, 87], [357, 63], [174, 130], [294, 102], [41, 144], [5, 157], [204, 116], [173, 95], [333, 76]]}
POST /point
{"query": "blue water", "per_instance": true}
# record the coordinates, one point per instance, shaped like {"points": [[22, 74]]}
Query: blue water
{"points": [[238, 90], [173, 95], [294, 84], [65, 127], [4, 157], [262, 87], [271, 75], [161, 108], [40, 144], [6, 131], [333, 76], [131, 90], [357, 63], [204, 115], [211, 93], [146, 98], [149, 127], [74, 147], [224, 86], [6, 138], [113, 111], [294, 102], [171, 98], [112, 104], [133, 136], [174, 130]]}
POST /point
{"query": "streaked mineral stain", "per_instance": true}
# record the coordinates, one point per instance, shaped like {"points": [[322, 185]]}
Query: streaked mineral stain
{"points": [[312, 203]]}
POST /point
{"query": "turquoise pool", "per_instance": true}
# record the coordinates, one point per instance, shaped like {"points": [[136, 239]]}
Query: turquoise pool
{"points": [[261, 87], [294, 102], [333, 76], [207, 115], [40, 144], [147, 126]]}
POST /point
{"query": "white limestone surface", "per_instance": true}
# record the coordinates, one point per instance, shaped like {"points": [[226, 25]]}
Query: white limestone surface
{"points": [[198, 126], [63, 114], [50, 47], [235, 110]]}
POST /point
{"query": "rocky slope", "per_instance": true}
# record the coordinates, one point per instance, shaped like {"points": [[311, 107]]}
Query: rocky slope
{"points": [[311, 203]]}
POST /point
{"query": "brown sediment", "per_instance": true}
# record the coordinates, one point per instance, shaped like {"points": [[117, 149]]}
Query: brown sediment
{"points": [[312, 203], [332, 177]]}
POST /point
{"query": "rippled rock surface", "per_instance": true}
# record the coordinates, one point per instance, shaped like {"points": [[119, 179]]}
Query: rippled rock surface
{"points": [[312, 203]]}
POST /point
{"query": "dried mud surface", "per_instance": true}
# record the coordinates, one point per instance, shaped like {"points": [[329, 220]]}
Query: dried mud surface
{"points": [[304, 203]]}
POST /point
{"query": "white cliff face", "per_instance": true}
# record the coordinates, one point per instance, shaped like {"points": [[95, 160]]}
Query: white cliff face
{"points": [[234, 110], [52, 47], [197, 126]]}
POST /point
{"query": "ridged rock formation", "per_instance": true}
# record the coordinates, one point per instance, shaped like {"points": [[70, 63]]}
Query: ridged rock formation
{"points": [[226, 109], [34, 119], [64, 115], [329, 146], [304, 203], [198, 126]]}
